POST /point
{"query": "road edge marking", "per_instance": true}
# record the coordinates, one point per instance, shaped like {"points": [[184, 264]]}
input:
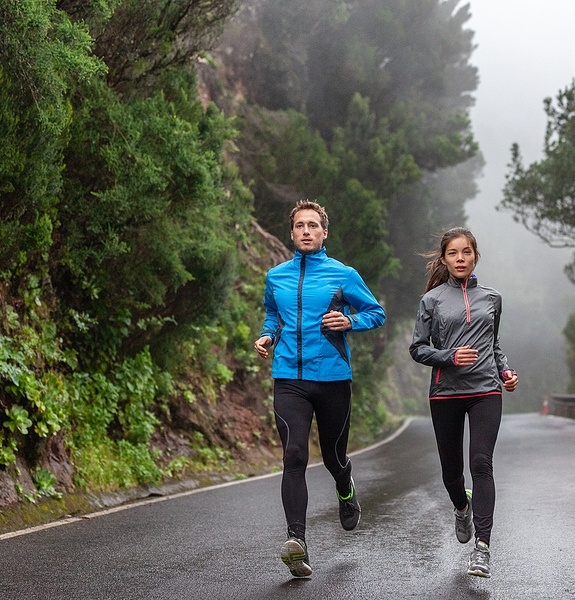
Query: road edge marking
{"points": [[174, 496]]}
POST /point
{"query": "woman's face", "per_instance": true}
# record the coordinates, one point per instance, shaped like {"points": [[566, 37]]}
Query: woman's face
{"points": [[459, 258]]}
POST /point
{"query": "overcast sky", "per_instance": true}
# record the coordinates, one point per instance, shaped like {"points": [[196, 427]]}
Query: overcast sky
{"points": [[525, 53]]}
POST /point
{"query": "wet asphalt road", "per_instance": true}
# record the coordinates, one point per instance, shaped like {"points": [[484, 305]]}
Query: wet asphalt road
{"points": [[223, 543]]}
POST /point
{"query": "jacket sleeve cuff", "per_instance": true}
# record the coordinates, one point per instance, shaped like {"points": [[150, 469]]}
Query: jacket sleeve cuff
{"points": [[502, 374]]}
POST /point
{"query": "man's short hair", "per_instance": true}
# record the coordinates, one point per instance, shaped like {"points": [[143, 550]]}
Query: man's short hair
{"points": [[312, 205]]}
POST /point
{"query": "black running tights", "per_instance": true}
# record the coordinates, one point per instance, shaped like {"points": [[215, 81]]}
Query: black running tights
{"points": [[295, 402], [484, 414]]}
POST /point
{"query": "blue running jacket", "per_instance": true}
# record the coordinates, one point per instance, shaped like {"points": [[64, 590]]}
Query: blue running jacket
{"points": [[298, 293]]}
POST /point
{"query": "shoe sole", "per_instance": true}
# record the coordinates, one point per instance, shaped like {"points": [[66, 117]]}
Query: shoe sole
{"points": [[293, 555], [478, 573]]}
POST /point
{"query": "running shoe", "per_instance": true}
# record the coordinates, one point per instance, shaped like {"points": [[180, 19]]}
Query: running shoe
{"points": [[349, 508], [464, 521], [479, 561], [294, 554]]}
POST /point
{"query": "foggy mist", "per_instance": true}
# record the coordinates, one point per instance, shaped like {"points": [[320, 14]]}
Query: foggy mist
{"points": [[524, 54]]}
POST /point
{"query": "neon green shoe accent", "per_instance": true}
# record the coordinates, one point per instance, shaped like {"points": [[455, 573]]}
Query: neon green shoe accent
{"points": [[349, 496], [349, 508]]}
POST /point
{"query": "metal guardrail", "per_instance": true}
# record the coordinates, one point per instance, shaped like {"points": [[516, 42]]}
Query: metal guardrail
{"points": [[562, 405]]}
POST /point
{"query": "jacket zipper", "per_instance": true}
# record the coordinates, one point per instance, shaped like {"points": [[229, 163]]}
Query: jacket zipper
{"points": [[466, 300], [467, 319], [300, 318]]}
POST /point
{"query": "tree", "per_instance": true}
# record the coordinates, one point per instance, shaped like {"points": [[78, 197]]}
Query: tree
{"points": [[387, 87], [42, 53], [542, 196], [147, 227], [139, 39], [569, 333]]}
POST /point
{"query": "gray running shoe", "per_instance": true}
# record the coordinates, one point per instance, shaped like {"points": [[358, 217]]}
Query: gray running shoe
{"points": [[294, 555], [464, 522], [349, 508], [479, 561]]}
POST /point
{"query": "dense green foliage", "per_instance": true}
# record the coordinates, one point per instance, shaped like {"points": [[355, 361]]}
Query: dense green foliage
{"points": [[120, 225], [542, 195], [126, 286]]}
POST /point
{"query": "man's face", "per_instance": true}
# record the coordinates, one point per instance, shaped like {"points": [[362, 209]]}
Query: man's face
{"points": [[307, 233]]}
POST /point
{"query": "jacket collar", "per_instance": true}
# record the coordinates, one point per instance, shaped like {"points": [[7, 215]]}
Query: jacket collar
{"points": [[471, 282], [316, 256]]}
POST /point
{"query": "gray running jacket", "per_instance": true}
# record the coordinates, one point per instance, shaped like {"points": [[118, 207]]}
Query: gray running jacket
{"points": [[460, 313]]}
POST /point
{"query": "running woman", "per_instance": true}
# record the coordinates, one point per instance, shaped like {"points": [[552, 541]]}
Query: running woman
{"points": [[457, 334], [308, 301]]}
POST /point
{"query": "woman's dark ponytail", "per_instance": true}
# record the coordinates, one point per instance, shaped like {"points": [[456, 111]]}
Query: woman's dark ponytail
{"points": [[437, 274]]}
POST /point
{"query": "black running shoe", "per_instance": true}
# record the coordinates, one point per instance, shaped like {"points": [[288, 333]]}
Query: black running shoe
{"points": [[349, 508], [294, 555]]}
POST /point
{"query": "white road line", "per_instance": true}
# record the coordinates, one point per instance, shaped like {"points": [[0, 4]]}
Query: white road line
{"points": [[155, 500]]}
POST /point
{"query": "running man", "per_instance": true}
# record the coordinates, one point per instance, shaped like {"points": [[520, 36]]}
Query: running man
{"points": [[308, 301]]}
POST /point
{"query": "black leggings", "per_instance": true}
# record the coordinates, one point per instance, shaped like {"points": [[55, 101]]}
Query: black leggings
{"points": [[295, 402], [448, 418]]}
